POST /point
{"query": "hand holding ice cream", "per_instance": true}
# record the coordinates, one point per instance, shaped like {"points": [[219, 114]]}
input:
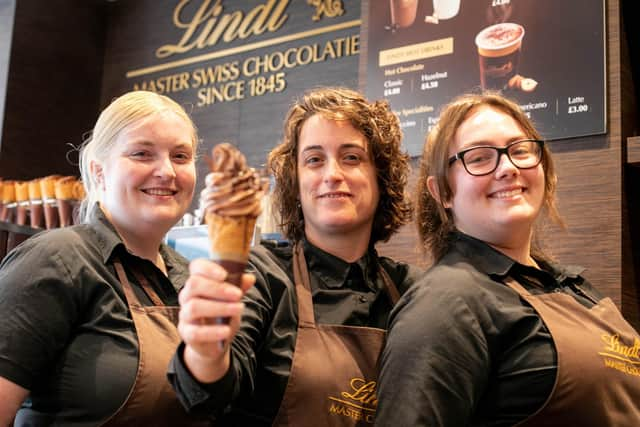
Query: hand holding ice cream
{"points": [[231, 202]]}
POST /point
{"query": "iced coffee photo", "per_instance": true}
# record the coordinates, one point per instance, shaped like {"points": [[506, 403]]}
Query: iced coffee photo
{"points": [[403, 12], [499, 52]]}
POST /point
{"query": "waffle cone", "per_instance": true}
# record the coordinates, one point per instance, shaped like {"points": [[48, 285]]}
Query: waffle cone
{"points": [[8, 192], [47, 186], [22, 191], [230, 241], [63, 188], [33, 187]]}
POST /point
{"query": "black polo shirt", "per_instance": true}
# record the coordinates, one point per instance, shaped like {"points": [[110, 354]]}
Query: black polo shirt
{"points": [[66, 332], [343, 293], [464, 349]]}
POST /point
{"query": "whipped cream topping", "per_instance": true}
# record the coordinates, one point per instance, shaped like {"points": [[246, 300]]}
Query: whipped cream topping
{"points": [[232, 188]]}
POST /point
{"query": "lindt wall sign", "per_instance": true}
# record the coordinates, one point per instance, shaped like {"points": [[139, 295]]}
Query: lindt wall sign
{"points": [[547, 56], [235, 65], [217, 30]]}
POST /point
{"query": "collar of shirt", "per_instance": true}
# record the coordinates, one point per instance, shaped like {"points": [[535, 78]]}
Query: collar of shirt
{"points": [[335, 272], [109, 241], [496, 264]]}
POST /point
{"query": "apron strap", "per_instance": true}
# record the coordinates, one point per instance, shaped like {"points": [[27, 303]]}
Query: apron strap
{"points": [[513, 284], [128, 290], [303, 287], [390, 287]]}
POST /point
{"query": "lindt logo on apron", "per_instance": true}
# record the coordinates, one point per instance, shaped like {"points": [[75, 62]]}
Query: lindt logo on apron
{"points": [[619, 356], [359, 403]]}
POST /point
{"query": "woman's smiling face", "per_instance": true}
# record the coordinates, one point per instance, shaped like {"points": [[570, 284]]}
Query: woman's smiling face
{"points": [[337, 179], [148, 179], [505, 203]]}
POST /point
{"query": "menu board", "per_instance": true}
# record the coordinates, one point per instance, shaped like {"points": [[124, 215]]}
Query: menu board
{"points": [[548, 56]]}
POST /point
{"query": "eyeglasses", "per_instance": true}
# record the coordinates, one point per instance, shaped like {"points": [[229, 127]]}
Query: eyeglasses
{"points": [[483, 160]]}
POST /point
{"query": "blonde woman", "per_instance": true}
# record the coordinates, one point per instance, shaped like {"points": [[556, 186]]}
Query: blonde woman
{"points": [[89, 311]]}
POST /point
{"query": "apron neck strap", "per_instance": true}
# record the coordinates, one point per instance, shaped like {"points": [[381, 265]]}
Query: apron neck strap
{"points": [[513, 284], [303, 287], [128, 290], [392, 291]]}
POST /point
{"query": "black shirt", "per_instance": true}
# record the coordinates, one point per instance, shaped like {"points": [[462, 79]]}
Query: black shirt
{"points": [[66, 334], [464, 349], [343, 293]]}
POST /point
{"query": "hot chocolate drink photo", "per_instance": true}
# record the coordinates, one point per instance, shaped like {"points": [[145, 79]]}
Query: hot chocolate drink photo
{"points": [[499, 49]]}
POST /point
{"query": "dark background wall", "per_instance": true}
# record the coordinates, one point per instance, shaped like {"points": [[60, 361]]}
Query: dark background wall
{"points": [[56, 87], [53, 86]]}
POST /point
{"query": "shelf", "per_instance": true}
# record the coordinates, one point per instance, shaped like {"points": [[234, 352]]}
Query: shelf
{"points": [[19, 229], [633, 150]]}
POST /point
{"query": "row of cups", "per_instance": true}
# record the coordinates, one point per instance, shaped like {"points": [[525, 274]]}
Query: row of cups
{"points": [[47, 202]]}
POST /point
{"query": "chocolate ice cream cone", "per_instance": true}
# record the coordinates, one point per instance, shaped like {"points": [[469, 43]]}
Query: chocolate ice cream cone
{"points": [[231, 201]]}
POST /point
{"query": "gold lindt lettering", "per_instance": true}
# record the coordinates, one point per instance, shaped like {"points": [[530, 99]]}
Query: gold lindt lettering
{"points": [[330, 8], [614, 345], [363, 391], [208, 25]]}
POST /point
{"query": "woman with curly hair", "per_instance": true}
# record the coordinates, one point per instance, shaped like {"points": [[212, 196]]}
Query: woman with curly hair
{"points": [[306, 349]]}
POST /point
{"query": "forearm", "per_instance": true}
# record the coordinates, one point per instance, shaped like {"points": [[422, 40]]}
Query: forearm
{"points": [[205, 369], [11, 396], [200, 397]]}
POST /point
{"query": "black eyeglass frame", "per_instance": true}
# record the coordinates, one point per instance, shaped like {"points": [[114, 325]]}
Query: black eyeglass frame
{"points": [[501, 150]]}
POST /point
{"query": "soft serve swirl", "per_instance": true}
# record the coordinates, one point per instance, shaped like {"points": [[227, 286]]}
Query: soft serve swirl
{"points": [[232, 188]]}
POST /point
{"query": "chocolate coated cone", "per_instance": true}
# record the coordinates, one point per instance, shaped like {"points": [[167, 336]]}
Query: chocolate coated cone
{"points": [[21, 215], [4, 213], [36, 216], [50, 216], [65, 210]]}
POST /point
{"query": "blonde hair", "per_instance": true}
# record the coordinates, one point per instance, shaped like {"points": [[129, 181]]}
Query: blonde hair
{"points": [[433, 220], [121, 113]]}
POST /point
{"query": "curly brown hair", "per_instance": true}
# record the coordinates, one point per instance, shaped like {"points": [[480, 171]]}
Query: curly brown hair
{"points": [[434, 221], [378, 124]]}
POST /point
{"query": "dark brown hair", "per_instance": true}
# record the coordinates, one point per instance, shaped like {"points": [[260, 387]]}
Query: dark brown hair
{"points": [[381, 128], [434, 221]]}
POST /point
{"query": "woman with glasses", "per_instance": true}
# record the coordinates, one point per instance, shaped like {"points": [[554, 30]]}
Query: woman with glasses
{"points": [[497, 334]]}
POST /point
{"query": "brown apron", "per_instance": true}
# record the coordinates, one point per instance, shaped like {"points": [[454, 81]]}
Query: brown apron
{"points": [[598, 357], [151, 400], [334, 369]]}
